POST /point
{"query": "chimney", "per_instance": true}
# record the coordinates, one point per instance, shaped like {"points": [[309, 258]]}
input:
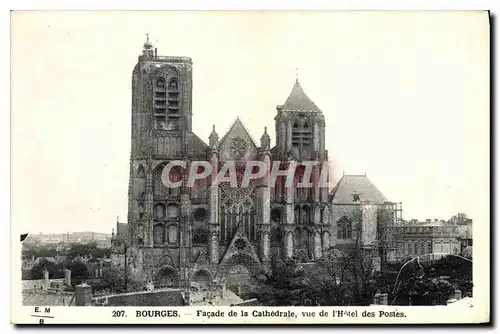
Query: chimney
{"points": [[83, 295], [67, 277], [383, 299], [46, 280]]}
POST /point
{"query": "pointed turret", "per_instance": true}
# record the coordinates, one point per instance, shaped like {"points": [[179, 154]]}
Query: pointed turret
{"points": [[213, 139], [265, 141], [298, 100], [299, 127]]}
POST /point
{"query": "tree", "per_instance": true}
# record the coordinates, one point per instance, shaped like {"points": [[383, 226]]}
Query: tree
{"points": [[290, 284], [285, 285], [55, 271], [459, 219], [424, 291], [113, 279], [78, 270]]}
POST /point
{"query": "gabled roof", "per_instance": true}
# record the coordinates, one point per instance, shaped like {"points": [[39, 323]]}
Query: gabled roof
{"points": [[196, 146], [360, 185], [299, 101], [237, 126]]}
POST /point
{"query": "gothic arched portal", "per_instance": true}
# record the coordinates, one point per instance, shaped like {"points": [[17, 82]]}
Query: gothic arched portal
{"points": [[240, 268], [166, 276], [203, 277]]}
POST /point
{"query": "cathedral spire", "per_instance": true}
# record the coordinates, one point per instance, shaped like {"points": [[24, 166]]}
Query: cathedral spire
{"points": [[298, 100]]}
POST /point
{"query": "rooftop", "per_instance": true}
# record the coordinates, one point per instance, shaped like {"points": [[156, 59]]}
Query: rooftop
{"points": [[356, 189], [299, 101]]}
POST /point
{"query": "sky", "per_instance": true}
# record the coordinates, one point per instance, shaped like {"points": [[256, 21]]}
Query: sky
{"points": [[405, 97]]}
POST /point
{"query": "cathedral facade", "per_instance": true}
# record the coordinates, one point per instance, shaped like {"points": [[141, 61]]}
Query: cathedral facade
{"points": [[215, 232]]}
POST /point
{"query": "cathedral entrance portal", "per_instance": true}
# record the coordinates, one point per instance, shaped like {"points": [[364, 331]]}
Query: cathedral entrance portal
{"points": [[239, 272], [166, 277], [203, 278]]}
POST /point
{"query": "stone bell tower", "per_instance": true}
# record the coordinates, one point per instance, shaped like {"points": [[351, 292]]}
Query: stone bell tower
{"points": [[300, 137], [161, 123]]}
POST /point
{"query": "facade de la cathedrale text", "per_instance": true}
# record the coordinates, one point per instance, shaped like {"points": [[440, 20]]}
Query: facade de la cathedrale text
{"points": [[206, 234]]}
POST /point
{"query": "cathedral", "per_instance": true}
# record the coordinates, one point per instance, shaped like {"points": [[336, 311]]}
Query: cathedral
{"points": [[216, 233]]}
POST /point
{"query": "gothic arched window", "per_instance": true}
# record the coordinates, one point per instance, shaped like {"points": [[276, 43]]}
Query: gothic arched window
{"points": [[141, 172], [140, 209], [160, 103], [326, 240], [175, 176], [297, 215], [306, 215], [159, 211], [172, 235], [302, 135], [159, 235], [140, 235], [172, 211], [159, 189], [275, 234], [276, 215], [160, 83], [200, 236], [173, 96], [344, 229], [173, 84], [200, 214]]}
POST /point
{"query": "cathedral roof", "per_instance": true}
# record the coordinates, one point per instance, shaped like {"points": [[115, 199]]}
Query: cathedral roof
{"points": [[197, 147], [299, 101], [237, 144], [352, 187], [239, 128]]}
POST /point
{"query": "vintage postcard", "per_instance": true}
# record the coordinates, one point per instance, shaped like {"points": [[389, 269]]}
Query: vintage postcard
{"points": [[250, 167]]}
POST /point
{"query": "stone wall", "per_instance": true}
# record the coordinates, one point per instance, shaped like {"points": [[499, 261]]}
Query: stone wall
{"points": [[167, 297]]}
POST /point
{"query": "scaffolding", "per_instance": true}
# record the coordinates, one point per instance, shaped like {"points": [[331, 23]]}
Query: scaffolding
{"points": [[390, 217]]}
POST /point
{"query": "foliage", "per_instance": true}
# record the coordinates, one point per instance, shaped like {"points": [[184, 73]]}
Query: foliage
{"points": [[424, 291], [115, 280], [90, 249], [433, 282], [54, 269], [290, 284], [284, 286], [78, 270], [29, 252], [459, 219]]}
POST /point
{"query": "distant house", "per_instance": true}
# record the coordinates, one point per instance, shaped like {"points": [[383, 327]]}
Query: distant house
{"points": [[426, 237]]}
